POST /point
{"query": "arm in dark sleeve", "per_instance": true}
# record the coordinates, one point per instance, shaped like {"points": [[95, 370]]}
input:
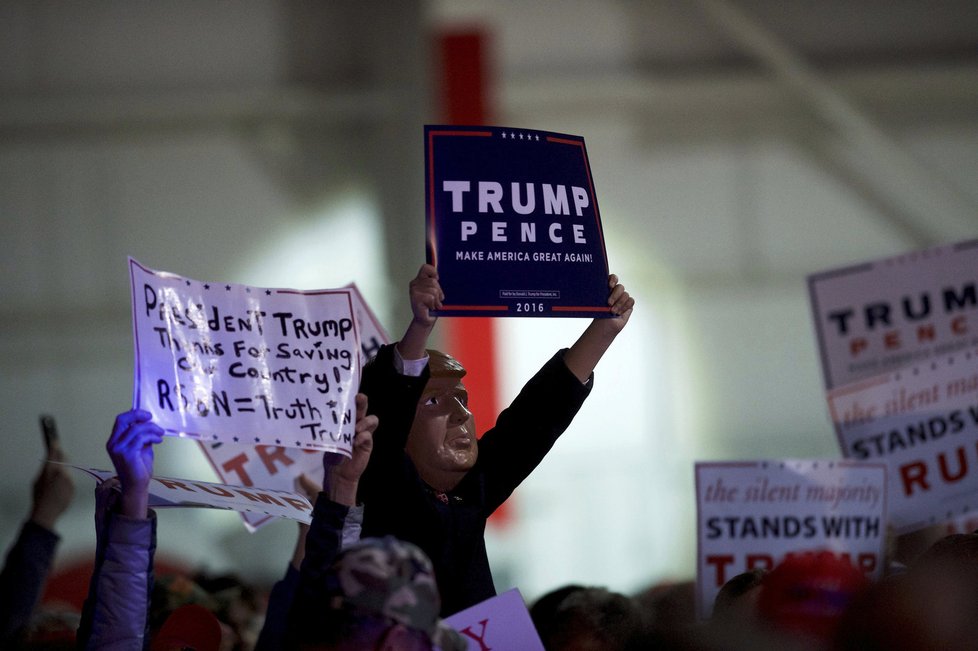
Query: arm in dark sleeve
{"points": [[27, 566], [323, 544], [280, 600], [274, 631], [526, 430], [393, 398]]}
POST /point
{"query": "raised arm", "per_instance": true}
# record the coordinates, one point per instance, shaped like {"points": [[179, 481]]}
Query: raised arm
{"points": [[342, 478], [336, 499], [115, 615], [130, 447], [29, 560], [425, 295], [587, 351], [325, 535], [394, 381]]}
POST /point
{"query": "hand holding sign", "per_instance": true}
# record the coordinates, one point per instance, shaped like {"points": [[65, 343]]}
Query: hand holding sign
{"points": [[343, 477], [130, 446], [426, 295], [513, 225], [591, 346], [621, 304]]}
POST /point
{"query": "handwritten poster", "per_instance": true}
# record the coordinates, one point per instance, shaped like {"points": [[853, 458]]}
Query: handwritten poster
{"points": [[169, 492], [238, 364], [923, 422], [754, 514], [513, 223], [275, 466], [500, 622], [881, 316]]}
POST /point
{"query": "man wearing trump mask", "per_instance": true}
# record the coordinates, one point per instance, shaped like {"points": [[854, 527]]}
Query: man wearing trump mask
{"points": [[430, 480]]}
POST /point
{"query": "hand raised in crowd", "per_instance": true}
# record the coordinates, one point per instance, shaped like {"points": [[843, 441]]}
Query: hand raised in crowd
{"points": [[53, 489], [342, 475], [620, 302], [584, 355], [426, 295], [130, 446]]}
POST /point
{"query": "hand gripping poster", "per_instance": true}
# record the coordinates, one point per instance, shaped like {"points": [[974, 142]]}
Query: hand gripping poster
{"points": [[231, 363], [879, 316], [754, 514], [277, 467], [513, 225]]}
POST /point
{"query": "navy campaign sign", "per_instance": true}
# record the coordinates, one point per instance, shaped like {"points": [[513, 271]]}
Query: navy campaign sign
{"points": [[512, 223]]}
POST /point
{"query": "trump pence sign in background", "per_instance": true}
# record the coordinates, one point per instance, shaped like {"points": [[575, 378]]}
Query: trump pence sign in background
{"points": [[883, 315]]}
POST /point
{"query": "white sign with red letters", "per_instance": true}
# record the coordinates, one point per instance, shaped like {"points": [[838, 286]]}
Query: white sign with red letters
{"points": [[501, 622], [753, 514]]}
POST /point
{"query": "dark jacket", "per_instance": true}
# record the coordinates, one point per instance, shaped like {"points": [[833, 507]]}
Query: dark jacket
{"points": [[398, 503], [22, 579]]}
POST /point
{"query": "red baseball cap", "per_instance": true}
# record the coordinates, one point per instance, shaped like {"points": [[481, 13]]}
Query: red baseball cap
{"points": [[189, 627], [808, 593]]}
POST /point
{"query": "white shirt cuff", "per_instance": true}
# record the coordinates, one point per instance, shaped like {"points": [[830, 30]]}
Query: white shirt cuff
{"points": [[409, 367]]}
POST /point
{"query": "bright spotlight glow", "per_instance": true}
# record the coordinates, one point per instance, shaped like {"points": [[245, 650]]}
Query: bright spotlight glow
{"points": [[338, 244]]}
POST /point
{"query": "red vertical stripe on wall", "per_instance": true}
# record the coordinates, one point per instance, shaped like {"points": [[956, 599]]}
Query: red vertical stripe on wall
{"points": [[464, 80], [464, 92]]}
